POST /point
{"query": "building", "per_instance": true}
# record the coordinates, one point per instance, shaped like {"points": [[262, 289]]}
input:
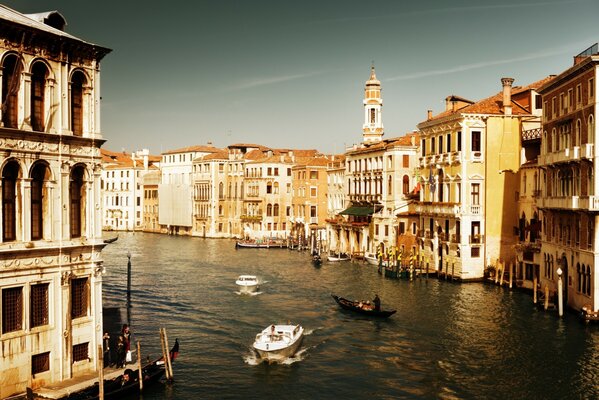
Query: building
{"points": [[123, 193], [150, 182], [50, 161], [568, 200], [175, 190], [471, 155]]}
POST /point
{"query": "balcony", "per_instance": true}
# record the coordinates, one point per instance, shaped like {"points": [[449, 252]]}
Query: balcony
{"points": [[444, 237], [456, 157], [475, 210], [314, 220], [588, 151], [251, 218], [476, 239], [455, 238], [564, 203], [590, 203], [439, 208]]}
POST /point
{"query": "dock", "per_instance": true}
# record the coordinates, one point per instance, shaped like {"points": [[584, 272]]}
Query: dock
{"points": [[69, 386]]}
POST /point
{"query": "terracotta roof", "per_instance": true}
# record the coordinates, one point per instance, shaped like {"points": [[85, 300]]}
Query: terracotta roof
{"points": [[494, 103], [219, 155], [192, 149], [247, 145]]}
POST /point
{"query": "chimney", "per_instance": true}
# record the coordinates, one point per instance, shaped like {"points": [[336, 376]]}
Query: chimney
{"points": [[507, 95], [429, 115]]}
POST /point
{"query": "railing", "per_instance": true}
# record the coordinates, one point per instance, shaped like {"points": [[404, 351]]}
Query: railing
{"points": [[588, 150], [251, 218], [476, 239], [456, 157], [475, 210], [313, 220]]}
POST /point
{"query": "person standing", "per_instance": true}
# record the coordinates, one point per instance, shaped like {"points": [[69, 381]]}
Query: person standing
{"points": [[121, 352], [107, 353], [126, 334], [377, 302]]}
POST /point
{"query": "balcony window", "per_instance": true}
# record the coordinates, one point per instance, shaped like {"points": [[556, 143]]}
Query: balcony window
{"points": [[476, 141]]}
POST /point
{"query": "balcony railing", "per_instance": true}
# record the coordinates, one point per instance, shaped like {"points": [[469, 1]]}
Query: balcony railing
{"points": [[475, 210], [251, 218], [588, 150], [476, 239], [456, 157]]}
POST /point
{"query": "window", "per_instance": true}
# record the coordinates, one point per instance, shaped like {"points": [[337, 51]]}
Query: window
{"points": [[276, 172], [11, 76], [38, 87], [79, 297], [12, 309], [433, 145], [37, 186], [402, 228], [76, 203], [372, 115], [80, 352], [77, 82], [269, 171], [313, 192], [440, 144], [389, 185], [288, 171], [475, 194], [459, 141], [476, 141], [269, 210], [40, 363], [313, 213], [9, 201], [275, 210], [423, 147], [269, 187], [449, 142], [591, 88], [313, 174], [288, 211], [405, 184], [386, 230], [39, 305]]}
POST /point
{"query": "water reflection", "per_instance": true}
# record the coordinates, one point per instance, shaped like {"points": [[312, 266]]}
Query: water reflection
{"points": [[446, 340]]}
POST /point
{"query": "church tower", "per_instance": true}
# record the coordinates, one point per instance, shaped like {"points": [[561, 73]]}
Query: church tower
{"points": [[372, 131]]}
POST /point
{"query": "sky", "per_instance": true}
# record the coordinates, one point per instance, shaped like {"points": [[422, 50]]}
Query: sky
{"points": [[291, 74]]}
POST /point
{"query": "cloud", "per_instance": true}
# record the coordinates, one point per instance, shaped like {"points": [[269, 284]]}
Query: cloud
{"points": [[271, 81], [483, 64]]}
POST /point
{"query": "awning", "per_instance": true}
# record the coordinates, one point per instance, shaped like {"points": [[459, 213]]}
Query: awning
{"points": [[358, 211]]}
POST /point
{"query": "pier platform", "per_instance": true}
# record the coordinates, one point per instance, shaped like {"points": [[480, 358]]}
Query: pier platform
{"points": [[63, 389]]}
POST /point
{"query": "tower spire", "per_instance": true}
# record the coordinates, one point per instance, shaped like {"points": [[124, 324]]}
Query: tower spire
{"points": [[372, 130]]}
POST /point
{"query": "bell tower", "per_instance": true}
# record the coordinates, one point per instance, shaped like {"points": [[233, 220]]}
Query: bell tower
{"points": [[372, 130]]}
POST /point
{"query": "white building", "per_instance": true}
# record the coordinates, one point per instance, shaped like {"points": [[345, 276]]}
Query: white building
{"points": [[50, 162]]}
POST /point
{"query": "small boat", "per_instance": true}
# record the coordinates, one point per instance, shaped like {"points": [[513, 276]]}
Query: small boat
{"points": [[588, 315], [355, 306], [316, 260], [248, 283], [338, 257], [111, 240], [278, 342], [127, 383], [371, 258], [260, 244]]}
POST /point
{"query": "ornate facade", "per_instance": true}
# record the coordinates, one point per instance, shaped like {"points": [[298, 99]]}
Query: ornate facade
{"points": [[50, 250]]}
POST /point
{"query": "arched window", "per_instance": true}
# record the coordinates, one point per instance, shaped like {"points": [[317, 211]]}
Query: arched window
{"points": [[39, 74], [269, 210], [588, 279], [77, 211], [275, 210], [38, 177], [11, 78], [577, 133], [221, 193], [10, 175], [77, 82], [389, 186], [405, 184], [269, 187], [579, 277], [276, 188]]}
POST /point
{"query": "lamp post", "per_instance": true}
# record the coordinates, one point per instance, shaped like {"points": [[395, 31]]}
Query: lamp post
{"points": [[560, 302]]}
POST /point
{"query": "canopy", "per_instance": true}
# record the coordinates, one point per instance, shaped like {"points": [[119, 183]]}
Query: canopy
{"points": [[359, 211]]}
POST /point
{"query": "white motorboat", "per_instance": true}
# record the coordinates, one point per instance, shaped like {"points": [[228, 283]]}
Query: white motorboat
{"points": [[338, 257], [371, 258], [278, 342], [248, 283]]}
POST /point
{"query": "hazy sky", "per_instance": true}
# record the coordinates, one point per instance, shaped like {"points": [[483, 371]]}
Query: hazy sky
{"points": [[291, 73]]}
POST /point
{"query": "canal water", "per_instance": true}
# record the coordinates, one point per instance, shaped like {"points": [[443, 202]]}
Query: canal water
{"points": [[447, 341]]}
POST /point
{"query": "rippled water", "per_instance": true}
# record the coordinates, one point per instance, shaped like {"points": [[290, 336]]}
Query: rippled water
{"points": [[448, 341]]}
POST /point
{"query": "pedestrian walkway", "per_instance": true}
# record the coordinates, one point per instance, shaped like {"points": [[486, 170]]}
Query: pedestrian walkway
{"points": [[62, 389]]}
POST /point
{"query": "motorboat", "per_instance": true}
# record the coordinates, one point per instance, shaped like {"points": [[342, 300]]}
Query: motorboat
{"points": [[278, 342], [371, 258], [338, 257], [248, 283]]}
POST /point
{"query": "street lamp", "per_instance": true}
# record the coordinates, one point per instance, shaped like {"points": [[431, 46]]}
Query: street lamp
{"points": [[560, 302]]}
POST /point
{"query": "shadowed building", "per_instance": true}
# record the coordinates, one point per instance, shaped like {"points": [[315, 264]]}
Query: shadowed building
{"points": [[51, 222]]}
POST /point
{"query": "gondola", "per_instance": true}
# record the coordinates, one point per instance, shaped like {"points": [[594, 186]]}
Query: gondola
{"points": [[353, 306], [111, 240], [128, 382], [316, 260]]}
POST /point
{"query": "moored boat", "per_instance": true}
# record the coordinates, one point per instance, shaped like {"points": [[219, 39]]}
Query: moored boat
{"points": [[261, 244], [278, 342], [248, 283], [355, 306], [338, 257]]}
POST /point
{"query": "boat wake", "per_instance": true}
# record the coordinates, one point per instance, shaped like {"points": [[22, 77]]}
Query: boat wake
{"points": [[247, 293], [253, 359], [311, 331]]}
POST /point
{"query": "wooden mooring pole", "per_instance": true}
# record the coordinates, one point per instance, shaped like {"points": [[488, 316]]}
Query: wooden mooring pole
{"points": [[168, 366], [534, 290], [100, 373], [141, 375], [546, 297], [511, 273]]}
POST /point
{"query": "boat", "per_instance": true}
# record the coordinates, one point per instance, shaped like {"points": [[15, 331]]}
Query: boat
{"points": [[278, 342], [127, 383], [261, 244], [111, 240], [371, 258], [248, 283], [355, 307], [338, 257], [316, 260], [588, 315]]}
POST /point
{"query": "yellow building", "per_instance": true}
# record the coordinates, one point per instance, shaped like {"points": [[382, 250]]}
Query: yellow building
{"points": [[471, 154]]}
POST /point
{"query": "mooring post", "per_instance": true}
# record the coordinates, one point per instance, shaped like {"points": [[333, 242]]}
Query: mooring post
{"points": [[534, 289], [100, 372], [546, 297], [502, 272], [164, 354], [141, 377], [560, 295], [168, 353], [511, 273]]}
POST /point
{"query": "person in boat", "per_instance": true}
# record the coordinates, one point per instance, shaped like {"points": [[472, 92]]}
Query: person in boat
{"points": [[377, 302], [272, 333]]}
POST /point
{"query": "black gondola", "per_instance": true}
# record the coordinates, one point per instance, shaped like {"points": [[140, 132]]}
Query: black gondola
{"points": [[316, 260], [353, 306], [128, 382], [111, 240]]}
